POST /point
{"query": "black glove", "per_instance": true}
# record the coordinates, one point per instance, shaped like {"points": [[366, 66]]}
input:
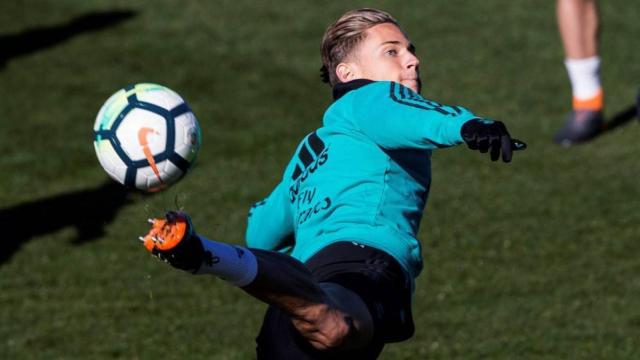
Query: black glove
{"points": [[486, 135]]}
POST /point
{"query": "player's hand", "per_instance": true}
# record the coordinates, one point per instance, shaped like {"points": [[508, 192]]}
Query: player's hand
{"points": [[490, 136], [325, 328]]}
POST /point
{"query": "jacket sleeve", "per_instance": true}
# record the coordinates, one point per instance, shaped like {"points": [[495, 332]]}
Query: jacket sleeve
{"points": [[394, 116], [270, 223]]}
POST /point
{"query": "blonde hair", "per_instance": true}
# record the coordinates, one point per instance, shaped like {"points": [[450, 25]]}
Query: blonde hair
{"points": [[344, 35]]}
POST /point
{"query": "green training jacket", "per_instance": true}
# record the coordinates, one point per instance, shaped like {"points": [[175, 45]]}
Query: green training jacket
{"points": [[364, 176]]}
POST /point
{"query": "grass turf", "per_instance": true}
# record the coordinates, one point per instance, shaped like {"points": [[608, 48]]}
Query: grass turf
{"points": [[536, 259]]}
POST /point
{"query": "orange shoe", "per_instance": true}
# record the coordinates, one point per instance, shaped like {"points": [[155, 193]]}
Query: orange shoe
{"points": [[174, 241]]}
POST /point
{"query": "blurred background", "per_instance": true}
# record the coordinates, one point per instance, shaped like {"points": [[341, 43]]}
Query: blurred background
{"points": [[535, 259]]}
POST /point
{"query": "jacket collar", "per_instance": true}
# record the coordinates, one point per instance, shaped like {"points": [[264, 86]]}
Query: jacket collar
{"points": [[340, 89]]}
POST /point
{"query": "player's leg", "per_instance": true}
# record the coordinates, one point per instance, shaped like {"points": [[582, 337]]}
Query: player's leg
{"points": [[578, 24], [279, 339], [328, 316], [378, 280]]}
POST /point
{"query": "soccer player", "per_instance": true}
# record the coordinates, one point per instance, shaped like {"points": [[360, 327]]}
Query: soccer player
{"points": [[578, 24], [333, 248]]}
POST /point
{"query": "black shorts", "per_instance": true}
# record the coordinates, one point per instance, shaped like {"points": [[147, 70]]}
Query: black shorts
{"points": [[371, 273]]}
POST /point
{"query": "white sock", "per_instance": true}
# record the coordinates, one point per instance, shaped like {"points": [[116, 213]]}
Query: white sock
{"points": [[584, 75], [234, 264]]}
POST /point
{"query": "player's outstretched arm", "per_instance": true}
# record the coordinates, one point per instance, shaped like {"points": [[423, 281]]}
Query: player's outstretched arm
{"points": [[394, 116]]}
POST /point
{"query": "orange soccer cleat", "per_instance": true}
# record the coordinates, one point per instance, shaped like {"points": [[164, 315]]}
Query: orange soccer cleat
{"points": [[174, 241]]}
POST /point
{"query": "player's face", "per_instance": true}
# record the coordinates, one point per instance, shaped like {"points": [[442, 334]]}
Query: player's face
{"points": [[386, 54]]}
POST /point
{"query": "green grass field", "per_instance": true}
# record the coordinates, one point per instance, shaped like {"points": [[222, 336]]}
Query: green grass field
{"points": [[533, 260]]}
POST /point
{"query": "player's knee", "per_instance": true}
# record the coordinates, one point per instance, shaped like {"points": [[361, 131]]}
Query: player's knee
{"points": [[325, 327], [356, 328], [335, 338]]}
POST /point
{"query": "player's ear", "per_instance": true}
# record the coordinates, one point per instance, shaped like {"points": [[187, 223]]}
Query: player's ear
{"points": [[346, 72]]}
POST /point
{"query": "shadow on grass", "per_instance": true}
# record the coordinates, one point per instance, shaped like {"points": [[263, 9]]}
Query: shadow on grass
{"points": [[33, 40], [89, 211], [623, 117]]}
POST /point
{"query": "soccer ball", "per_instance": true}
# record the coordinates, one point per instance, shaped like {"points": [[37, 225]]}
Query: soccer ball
{"points": [[146, 136]]}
